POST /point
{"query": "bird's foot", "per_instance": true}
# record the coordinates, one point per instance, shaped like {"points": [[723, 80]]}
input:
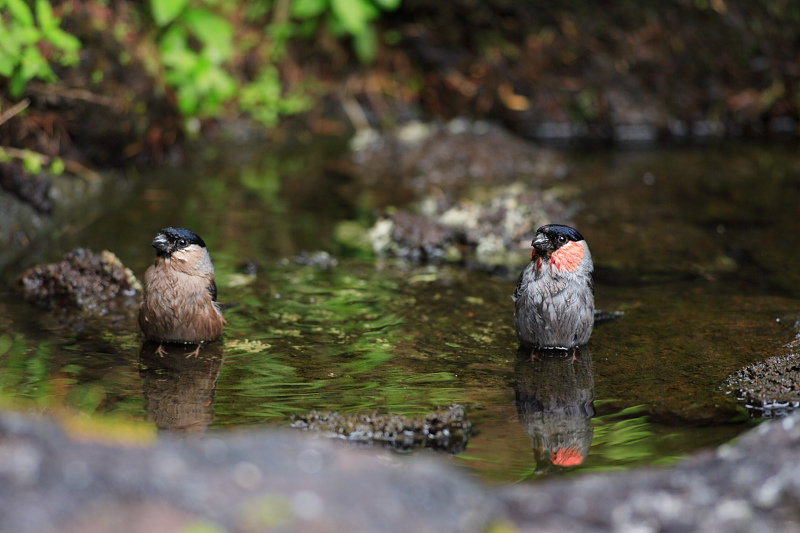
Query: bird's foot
{"points": [[160, 350], [195, 353]]}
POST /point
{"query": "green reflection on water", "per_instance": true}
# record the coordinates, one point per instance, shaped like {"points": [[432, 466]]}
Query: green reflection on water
{"points": [[309, 338]]}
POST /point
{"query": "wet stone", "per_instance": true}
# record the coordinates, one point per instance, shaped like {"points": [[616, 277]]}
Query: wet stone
{"points": [[494, 227], [91, 283], [769, 388], [471, 192], [446, 430], [319, 258]]}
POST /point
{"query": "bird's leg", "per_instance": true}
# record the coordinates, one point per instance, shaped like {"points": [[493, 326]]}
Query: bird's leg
{"points": [[160, 350], [195, 353]]}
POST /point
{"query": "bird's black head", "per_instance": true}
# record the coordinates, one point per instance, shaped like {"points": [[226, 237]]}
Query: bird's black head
{"points": [[551, 237], [170, 240]]}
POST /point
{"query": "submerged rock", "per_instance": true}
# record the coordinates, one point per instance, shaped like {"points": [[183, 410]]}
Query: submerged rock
{"points": [[84, 281], [446, 430], [769, 388]]}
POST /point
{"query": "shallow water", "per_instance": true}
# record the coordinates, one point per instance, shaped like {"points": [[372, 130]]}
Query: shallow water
{"points": [[696, 246]]}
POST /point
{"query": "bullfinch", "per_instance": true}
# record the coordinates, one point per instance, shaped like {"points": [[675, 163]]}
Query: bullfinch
{"points": [[180, 292], [554, 298]]}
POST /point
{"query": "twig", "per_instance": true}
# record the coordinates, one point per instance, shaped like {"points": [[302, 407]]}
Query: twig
{"points": [[353, 110], [75, 94], [15, 109]]}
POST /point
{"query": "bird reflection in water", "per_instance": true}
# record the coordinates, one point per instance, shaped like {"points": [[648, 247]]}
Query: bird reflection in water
{"points": [[179, 391], [554, 395]]}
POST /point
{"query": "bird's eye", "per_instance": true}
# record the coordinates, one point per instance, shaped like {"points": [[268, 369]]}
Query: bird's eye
{"points": [[182, 243], [562, 239]]}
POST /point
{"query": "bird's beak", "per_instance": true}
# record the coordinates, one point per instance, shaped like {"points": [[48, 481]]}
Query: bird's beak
{"points": [[541, 242], [161, 244]]}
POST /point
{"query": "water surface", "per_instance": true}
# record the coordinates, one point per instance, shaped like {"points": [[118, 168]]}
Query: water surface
{"points": [[695, 246]]}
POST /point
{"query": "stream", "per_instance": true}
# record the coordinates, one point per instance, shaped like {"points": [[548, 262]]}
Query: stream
{"points": [[697, 246]]}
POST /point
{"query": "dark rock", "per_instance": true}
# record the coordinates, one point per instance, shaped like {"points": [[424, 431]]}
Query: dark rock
{"points": [[769, 388], [84, 281], [418, 238], [30, 188], [446, 430]]}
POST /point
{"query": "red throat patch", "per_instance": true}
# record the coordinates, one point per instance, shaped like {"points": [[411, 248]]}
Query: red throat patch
{"points": [[566, 456], [567, 258]]}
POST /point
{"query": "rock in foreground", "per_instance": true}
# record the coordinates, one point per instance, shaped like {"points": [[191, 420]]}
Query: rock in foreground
{"points": [[273, 481]]}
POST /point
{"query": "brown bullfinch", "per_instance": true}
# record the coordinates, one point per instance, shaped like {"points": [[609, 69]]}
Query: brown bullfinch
{"points": [[555, 292], [180, 293]]}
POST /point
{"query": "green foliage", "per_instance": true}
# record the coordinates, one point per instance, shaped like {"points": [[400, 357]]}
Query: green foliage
{"points": [[21, 41], [265, 100], [197, 73], [348, 17], [197, 52], [165, 11], [199, 57]]}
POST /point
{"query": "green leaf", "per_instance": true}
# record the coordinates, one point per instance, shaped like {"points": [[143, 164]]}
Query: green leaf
{"points": [[44, 14], [66, 42], [7, 65], [32, 165], [214, 32], [365, 44], [165, 11], [306, 9], [35, 66], [20, 11], [188, 99], [28, 35], [57, 166], [353, 15], [175, 54]]}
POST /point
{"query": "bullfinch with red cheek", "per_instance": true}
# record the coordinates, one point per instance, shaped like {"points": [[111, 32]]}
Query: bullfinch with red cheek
{"points": [[180, 292], [555, 292]]}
